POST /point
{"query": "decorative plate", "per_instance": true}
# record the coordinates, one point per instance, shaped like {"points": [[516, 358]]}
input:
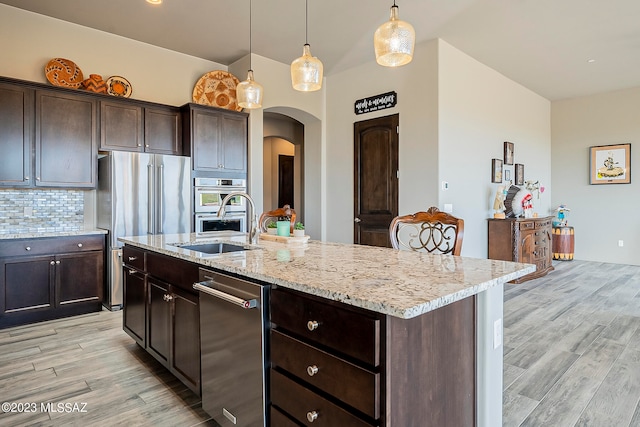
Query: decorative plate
{"points": [[217, 89], [63, 72], [119, 86]]}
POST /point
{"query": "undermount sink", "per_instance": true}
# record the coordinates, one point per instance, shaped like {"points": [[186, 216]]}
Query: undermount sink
{"points": [[213, 248]]}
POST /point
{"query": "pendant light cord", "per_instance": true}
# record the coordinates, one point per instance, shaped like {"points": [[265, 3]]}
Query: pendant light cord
{"points": [[306, 21], [250, 2]]}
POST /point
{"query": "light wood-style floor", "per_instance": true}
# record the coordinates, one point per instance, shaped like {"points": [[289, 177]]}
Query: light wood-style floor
{"points": [[572, 347], [89, 360], [572, 358]]}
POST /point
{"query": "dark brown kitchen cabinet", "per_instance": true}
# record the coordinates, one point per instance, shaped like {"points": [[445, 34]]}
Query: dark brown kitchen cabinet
{"points": [[218, 140], [140, 127], [333, 364], [66, 140], [526, 240], [161, 311], [47, 278], [16, 114]]}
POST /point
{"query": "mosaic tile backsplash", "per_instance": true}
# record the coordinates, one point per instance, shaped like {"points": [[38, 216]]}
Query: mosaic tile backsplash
{"points": [[46, 210]]}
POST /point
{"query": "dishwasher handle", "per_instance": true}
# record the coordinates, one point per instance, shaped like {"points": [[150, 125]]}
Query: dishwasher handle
{"points": [[247, 304]]}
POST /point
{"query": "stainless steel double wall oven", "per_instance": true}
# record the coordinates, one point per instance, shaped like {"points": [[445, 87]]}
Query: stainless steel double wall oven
{"points": [[208, 196]]}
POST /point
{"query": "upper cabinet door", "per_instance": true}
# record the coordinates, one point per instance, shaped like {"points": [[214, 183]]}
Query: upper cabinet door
{"points": [[162, 132], [234, 143], [66, 142], [16, 113], [205, 141], [120, 126]]}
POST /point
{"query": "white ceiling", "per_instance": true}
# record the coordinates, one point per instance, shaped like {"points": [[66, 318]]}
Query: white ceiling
{"points": [[543, 44]]}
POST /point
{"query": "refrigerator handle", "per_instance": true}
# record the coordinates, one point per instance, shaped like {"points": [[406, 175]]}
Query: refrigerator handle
{"points": [[150, 209], [160, 205]]}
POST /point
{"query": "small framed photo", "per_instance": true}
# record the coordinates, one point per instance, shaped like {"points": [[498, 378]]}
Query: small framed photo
{"points": [[508, 153], [496, 170], [507, 175], [610, 164], [519, 174]]}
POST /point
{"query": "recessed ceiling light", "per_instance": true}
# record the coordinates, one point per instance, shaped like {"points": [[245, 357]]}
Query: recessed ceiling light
{"points": [[154, 1], [590, 61]]}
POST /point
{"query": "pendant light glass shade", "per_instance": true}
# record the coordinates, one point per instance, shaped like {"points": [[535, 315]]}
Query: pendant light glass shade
{"points": [[306, 71], [393, 41], [249, 93]]}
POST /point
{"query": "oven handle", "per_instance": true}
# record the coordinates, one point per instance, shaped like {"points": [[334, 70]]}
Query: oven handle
{"points": [[224, 190], [230, 215], [202, 287]]}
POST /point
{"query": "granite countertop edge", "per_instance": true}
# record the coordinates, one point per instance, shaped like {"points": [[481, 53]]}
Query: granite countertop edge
{"points": [[392, 299], [38, 234]]}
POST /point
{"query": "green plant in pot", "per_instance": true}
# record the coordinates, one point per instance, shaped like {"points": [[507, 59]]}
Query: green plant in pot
{"points": [[298, 230], [272, 227]]}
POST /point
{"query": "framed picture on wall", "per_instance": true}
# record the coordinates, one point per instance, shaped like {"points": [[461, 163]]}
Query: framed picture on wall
{"points": [[508, 153], [519, 174], [610, 164], [496, 170]]}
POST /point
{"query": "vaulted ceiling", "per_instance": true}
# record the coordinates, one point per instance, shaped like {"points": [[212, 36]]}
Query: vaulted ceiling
{"points": [[557, 48]]}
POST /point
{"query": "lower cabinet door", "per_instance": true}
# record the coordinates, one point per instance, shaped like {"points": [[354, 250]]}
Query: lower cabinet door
{"points": [[135, 305], [79, 277], [26, 284], [186, 338], [159, 311]]}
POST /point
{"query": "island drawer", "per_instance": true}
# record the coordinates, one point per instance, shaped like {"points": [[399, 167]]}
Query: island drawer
{"points": [[349, 383], [308, 407], [51, 245], [133, 257], [178, 272], [352, 333], [278, 419]]}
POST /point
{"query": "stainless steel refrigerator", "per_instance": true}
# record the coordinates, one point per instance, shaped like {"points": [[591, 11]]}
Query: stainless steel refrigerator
{"points": [[139, 194]]}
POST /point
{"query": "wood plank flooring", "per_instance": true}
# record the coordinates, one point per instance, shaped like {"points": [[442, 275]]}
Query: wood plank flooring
{"points": [[89, 360], [572, 347]]}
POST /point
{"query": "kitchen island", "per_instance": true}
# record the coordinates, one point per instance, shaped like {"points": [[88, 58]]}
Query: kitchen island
{"points": [[411, 334]]}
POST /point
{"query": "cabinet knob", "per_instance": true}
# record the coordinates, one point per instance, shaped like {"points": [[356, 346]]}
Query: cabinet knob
{"points": [[167, 298], [37, 178], [139, 145], [146, 145], [28, 248], [312, 325], [79, 245], [52, 262], [312, 416], [57, 262], [312, 370], [26, 178]]}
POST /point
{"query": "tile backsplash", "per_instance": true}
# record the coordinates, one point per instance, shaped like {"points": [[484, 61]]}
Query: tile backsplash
{"points": [[41, 210]]}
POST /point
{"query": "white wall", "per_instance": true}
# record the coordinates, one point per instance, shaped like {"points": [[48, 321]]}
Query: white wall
{"points": [[479, 109], [28, 41], [416, 86], [600, 214], [273, 148]]}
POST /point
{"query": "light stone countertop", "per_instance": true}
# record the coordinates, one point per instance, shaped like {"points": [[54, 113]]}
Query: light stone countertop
{"points": [[35, 234], [398, 283]]}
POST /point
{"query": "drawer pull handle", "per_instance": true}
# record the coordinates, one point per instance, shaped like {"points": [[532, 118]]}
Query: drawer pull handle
{"points": [[28, 248], [312, 325], [167, 298], [133, 258], [312, 416], [79, 245], [132, 272], [312, 370]]}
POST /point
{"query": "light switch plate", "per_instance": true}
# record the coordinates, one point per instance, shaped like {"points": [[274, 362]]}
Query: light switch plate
{"points": [[448, 207]]}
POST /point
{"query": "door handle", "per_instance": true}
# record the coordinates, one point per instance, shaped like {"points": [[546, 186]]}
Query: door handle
{"points": [[357, 220]]}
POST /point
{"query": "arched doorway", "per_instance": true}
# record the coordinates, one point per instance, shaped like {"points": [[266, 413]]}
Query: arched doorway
{"points": [[283, 163]]}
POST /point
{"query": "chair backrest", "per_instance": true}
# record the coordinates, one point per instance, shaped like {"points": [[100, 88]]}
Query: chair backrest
{"points": [[432, 231], [272, 216]]}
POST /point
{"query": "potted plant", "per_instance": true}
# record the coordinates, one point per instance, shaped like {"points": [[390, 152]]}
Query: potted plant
{"points": [[298, 230], [272, 228]]}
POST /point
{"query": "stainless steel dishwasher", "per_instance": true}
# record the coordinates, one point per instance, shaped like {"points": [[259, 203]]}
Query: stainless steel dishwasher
{"points": [[233, 319]]}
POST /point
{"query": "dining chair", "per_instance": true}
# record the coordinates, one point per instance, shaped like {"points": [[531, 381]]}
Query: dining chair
{"points": [[432, 231], [272, 216]]}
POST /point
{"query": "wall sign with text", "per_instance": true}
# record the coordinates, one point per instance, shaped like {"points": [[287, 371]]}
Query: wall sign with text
{"points": [[375, 103]]}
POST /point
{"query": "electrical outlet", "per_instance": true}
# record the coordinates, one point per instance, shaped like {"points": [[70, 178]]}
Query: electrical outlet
{"points": [[497, 333], [448, 207], [620, 243]]}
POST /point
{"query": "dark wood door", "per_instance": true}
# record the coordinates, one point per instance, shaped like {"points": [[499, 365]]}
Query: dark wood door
{"points": [[26, 284], [79, 277], [66, 141], [159, 312], [186, 338], [234, 143], [162, 133], [205, 142], [120, 126], [16, 112], [375, 179], [135, 305]]}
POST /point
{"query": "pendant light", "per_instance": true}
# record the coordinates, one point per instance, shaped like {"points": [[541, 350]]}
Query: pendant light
{"points": [[249, 92], [393, 41], [306, 71]]}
